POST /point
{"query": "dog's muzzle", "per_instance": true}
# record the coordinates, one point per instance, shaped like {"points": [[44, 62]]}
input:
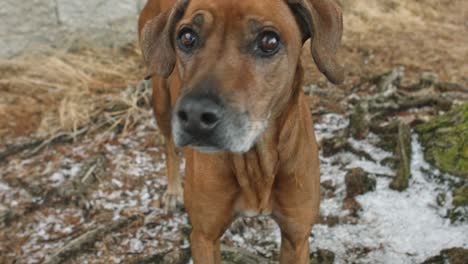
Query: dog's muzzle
{"points": [[196, 120], [202, 121]]}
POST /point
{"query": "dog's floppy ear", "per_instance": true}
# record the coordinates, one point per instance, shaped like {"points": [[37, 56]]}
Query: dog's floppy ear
{"points": [[157, 41], [322, 22]]}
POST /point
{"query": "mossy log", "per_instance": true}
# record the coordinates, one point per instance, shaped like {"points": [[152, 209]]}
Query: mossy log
{"points": [[359, 121], [445, 141], [403, 153]]}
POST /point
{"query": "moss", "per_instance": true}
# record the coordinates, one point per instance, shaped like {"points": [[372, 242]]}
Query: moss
{"points": [[445, 141], [458, 214], [460, 196], [452, 255]]}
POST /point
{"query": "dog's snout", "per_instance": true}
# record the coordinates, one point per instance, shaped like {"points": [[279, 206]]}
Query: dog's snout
{"points": [[199, 116]]}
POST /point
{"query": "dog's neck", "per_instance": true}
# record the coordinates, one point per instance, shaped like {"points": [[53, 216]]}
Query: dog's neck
{"points": [[273, 153]]}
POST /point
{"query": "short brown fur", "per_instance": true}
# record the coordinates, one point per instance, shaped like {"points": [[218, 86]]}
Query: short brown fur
{"points": [[280, 174]]}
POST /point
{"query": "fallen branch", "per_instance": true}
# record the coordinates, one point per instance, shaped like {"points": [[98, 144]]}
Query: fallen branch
{"points": [[339, 142], [174, 256], [428, 100], [392, 78], [34, 145], [59, 138], [382, 81], [72, 191], [446, 87], [11, 150], [241, 256], [76, 245], [114, 114]]}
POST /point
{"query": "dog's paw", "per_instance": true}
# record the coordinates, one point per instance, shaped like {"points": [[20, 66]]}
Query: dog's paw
{"points": [[172, 201]]}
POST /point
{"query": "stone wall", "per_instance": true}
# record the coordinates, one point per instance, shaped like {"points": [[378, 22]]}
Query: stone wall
{"points": [[31, 24]]}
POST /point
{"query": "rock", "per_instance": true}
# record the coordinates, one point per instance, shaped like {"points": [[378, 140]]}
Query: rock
{"points": [[328, 185], [358, 182], [352, 206], [452, 256], [327, 189], [241, 256], [457, 214], [445, 141], [330, 220], [60, 23], [460, 196], [322, 256], [339, 142], [359, 121], [441, 199], [403, 154]]}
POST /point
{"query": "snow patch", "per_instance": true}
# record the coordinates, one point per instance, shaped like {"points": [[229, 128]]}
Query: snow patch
{"points": [[396, 227]]}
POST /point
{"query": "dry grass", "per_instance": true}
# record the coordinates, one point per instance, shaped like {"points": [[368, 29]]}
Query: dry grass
{"points": [[58, 90], [61, 91], [424, 35]]}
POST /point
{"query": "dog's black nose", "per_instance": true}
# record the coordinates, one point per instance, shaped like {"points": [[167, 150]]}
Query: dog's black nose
{"points": [[199, 115]]}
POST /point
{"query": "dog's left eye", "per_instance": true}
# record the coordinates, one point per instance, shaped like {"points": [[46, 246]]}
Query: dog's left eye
{"points": [[268, 43], [187, 39]]}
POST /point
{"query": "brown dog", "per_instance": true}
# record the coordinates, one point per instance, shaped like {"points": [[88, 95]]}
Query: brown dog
{"points": [[227, 84]]}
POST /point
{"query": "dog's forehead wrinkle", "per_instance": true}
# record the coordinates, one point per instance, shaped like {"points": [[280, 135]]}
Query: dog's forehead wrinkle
{"points": [[254, 25], [234, 11]]}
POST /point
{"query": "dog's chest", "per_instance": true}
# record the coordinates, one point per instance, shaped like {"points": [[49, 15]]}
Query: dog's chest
{"points": [[249, 206], [255, 173]]}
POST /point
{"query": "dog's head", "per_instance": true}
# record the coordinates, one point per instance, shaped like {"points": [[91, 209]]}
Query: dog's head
{"points": [[237, 61]]}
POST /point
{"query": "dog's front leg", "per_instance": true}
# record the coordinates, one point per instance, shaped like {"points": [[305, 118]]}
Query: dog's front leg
{"points": [[210, 193], [294, 241], [162, 111], [174, 192], [205, 248], [209, 217], [295, 210]]}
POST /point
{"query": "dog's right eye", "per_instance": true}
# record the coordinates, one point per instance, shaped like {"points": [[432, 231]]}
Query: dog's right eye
{"points": [[268, 43], [187, 39]]}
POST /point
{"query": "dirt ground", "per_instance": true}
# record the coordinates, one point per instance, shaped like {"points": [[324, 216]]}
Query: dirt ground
{"points": [[54, 94], [429, 35]]}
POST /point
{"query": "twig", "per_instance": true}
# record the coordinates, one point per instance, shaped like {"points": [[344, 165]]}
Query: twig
{"points": [[76, 245], [72, 191], [15, 149], [62, 137]]}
